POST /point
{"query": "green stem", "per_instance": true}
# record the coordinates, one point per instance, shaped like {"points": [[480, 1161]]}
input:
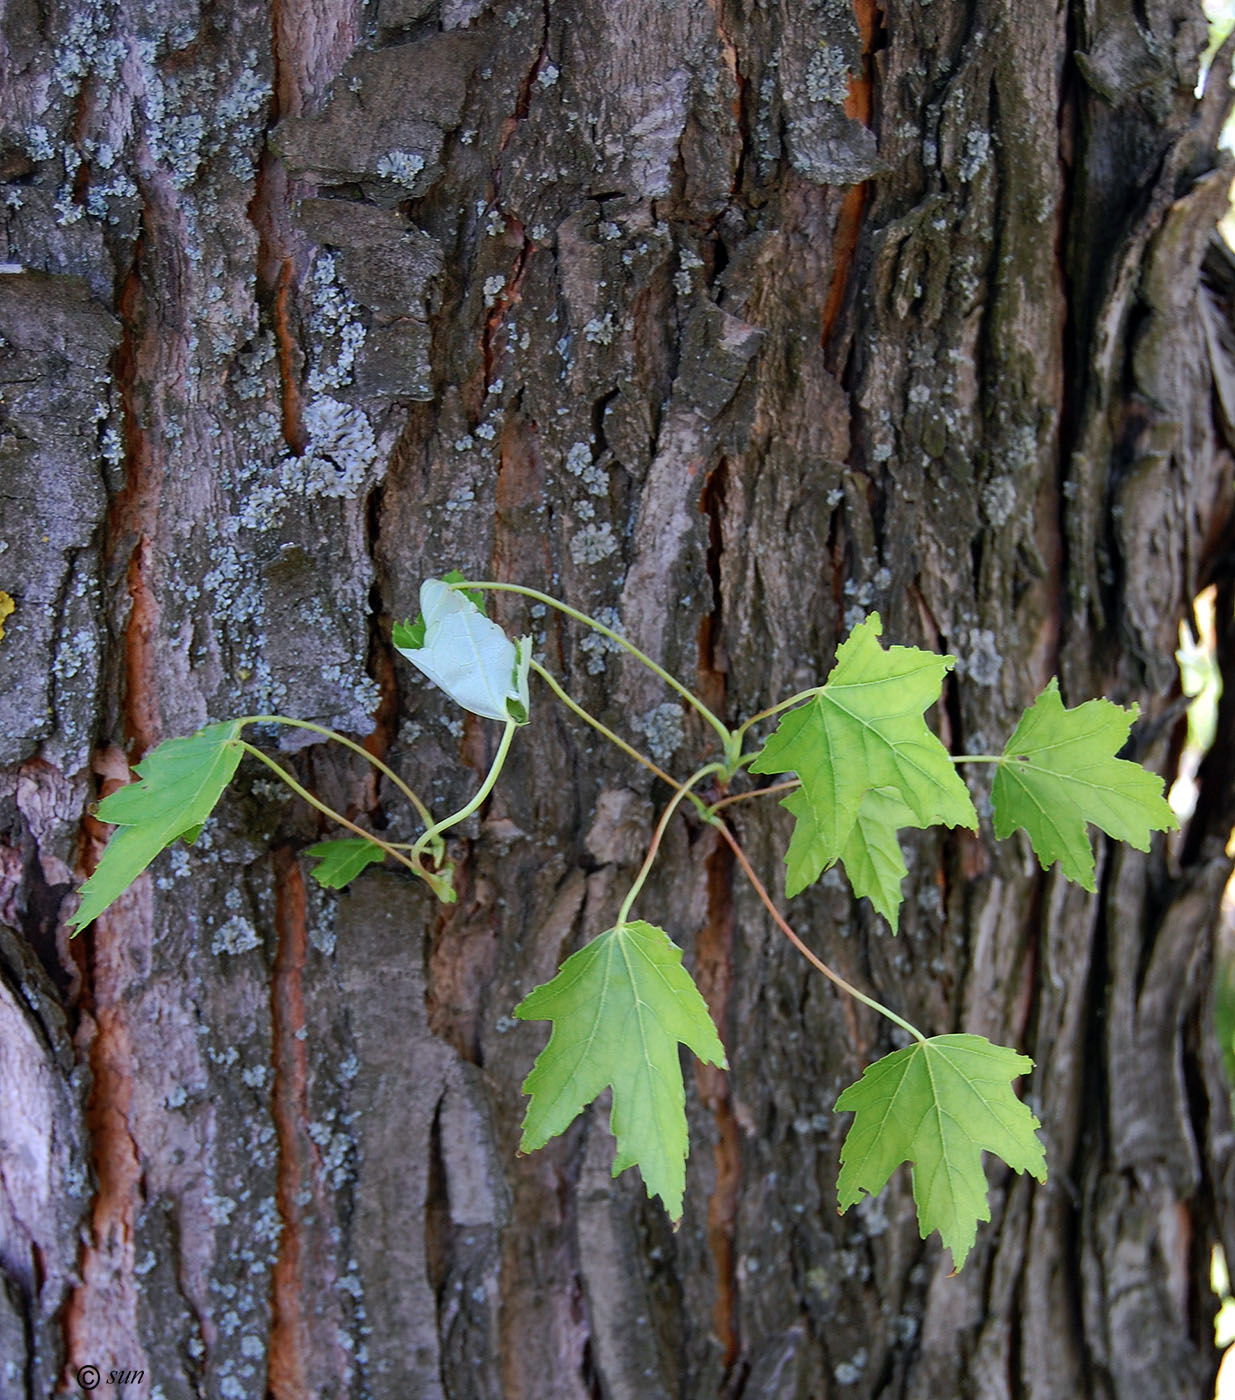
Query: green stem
{"points": [[787, 786], [334, 816], [727, 738], [775, 710], [629, 749], [810, 957], [976, 758], [683, 790], [421, 810], [481, 793]]}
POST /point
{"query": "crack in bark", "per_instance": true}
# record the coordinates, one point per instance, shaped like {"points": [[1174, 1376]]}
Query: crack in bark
{"points": [[291, 1372], [1214, 814], [859, 105], [133, 517], [306, 50], [714, 961], [277, 283], [460, 961], [712, 666], [100, 1320], [381, 665], [523, 102], [506, 298]]}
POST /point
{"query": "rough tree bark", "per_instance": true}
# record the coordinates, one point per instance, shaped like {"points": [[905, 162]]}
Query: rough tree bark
{"points": [[726, 318]]}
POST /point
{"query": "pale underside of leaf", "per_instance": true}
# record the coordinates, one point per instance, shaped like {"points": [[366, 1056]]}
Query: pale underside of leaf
{"points": [[468, 656]]}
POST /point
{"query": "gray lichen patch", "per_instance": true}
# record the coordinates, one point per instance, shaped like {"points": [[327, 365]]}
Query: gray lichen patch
{"points": [[999, 500], [341, 455], [384, 123], [664, 730], [828, 74], [335, 329], [981, 661], [340, 459], [976, 154], [391, 270], [401, 167], [807, 89], [234, 937], [592, 543]]}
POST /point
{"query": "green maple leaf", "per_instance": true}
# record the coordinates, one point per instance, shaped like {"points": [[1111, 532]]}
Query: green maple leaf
{"points": [[939, 1104], [181, 780], [872, 856], [619, 1007], [863, 730], [340, 861], [1059, 771]]}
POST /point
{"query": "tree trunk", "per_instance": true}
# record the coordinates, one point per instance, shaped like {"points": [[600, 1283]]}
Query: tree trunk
{"points": [[731, 321]]}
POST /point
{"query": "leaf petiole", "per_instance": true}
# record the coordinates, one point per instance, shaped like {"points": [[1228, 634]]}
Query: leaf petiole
{"points": [[629, 749], [729, 740], [816, 962], [683, 790], [334, 816], [977, 758], [789, 785], [797, 699], [481, 793], [421, 810]]}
